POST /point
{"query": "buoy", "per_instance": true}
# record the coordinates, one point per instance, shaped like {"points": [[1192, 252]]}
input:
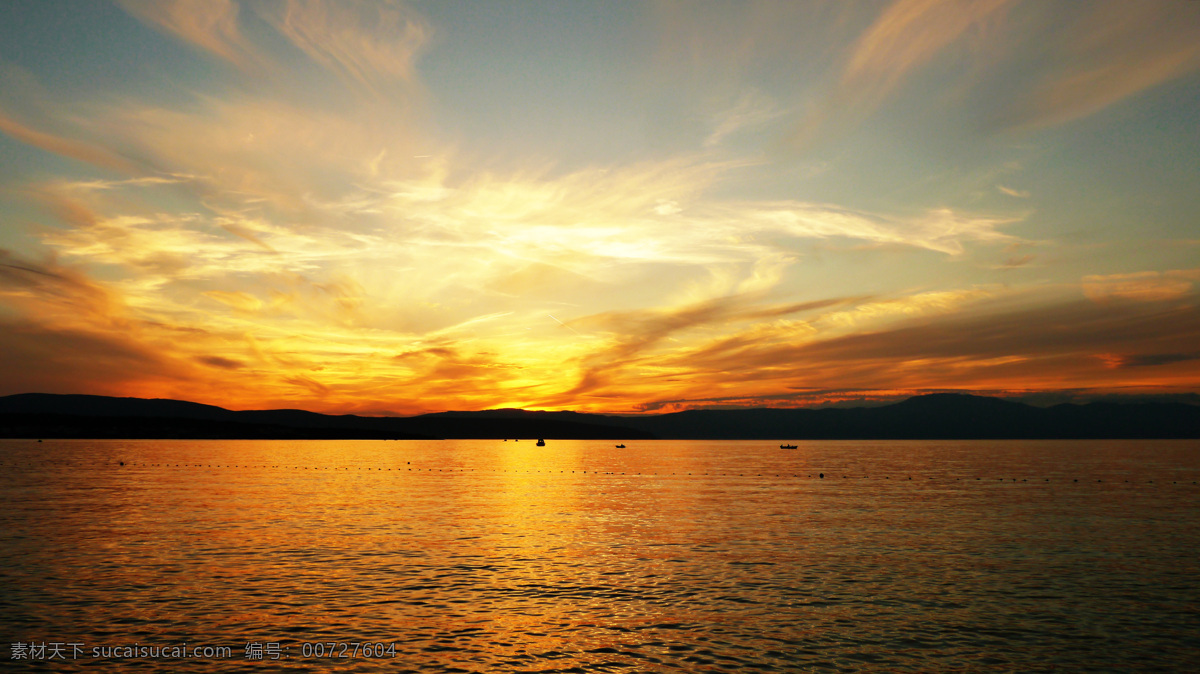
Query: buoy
{"points": [[822, 476]]}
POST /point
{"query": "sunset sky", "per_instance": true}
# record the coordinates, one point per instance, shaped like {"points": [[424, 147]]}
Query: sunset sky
{"points": [[379, 207]]}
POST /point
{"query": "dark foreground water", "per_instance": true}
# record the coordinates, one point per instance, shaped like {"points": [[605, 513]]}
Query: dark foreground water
{"points": [[579, 557]]}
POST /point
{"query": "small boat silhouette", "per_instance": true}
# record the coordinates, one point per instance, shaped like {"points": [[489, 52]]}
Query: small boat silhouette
{"points": [[541, 442], [788, 446], [620, 446]]}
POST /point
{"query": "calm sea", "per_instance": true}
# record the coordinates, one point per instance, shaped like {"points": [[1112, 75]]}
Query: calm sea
{"points": [[579, 557]]}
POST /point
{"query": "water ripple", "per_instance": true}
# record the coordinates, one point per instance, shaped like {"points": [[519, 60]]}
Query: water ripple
{"points": [[473, 556]]}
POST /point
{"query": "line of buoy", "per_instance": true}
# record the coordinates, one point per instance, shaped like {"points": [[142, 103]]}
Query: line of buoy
{"points": [[594, 472]]}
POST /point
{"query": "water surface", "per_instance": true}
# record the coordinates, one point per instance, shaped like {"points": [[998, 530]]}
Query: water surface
{"points": [[577, 556]]}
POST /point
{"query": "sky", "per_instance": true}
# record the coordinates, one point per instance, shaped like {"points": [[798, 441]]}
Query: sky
{"points": [[622, 207]]}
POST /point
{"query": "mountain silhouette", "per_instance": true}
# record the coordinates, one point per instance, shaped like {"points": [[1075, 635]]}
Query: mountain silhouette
{"points": [[933, 416]]}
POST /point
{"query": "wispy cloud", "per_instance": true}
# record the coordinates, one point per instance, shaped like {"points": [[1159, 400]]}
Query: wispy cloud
{"points": [[906, 36], [211, 25], [986, 346], [1020, 194], [634, 333], [237, 300], [371, 45], [315, 387], [1147, 286], [67, 147], [1115, 50], [64, 290], [403, 256], [1066, 61], [752, 109], [943, 230]]}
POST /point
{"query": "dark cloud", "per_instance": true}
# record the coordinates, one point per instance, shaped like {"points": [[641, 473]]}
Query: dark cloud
{"points": [[223, 363], [34, 358], [1054, 345], [245, 233], [639, 331], [50, 281], [1017, 261], [1153, 359], [309, 383], [448, 372], [1075, 327]]}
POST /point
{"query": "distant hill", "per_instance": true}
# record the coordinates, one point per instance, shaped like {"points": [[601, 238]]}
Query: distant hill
{"points": [[179, 428], [935, 416], [45, 415]]}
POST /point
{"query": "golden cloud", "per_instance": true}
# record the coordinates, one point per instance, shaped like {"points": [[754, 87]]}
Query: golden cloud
{"points": [[1148, 286]]}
